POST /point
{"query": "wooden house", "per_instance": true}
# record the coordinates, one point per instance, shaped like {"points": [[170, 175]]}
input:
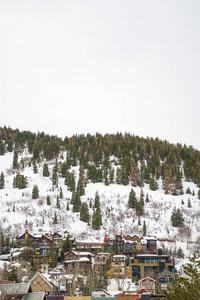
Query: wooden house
{"points": [[39, 283], [165, 279], [25, 237], [78, 261], [100, 261], [148, 284]]}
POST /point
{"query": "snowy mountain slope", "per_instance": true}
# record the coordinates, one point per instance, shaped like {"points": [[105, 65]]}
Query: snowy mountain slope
{"points": [[19, 211]]}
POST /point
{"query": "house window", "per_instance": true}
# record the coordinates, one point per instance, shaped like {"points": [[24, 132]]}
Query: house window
{"points": [[143, 247], [127, 247], [34, 282], [42, 282], [152, 242], [134, 247]]}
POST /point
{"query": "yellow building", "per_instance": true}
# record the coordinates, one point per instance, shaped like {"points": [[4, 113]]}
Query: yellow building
{"points": [[150, 264]]}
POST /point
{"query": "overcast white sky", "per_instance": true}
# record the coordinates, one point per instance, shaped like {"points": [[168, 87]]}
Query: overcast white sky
{"points": [[87, 66]]}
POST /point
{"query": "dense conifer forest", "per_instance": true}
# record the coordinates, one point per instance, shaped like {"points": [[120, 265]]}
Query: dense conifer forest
{"points": [[138, 160]]}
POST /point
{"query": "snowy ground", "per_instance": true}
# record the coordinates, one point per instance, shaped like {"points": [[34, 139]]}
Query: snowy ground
{"points": [[19, 212]]}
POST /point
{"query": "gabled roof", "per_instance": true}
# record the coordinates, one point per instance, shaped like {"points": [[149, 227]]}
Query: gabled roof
{"points": [[33, 276], [166, 273], [44, 237], [23, 235], [34, 296], [15, 288], [79, 253], [147, 278], [56, 233]]}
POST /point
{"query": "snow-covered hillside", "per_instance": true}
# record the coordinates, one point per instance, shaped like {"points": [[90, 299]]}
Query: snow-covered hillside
{"points": [[19, 211]]}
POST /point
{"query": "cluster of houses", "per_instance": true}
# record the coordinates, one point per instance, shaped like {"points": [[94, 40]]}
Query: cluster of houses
{"points": [[137, 258], [24, 291]]}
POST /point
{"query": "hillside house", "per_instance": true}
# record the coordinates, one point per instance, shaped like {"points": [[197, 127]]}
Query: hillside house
{"points": [[100, 261], [148, 284], [143, 264], [78, 261], [39, 283], [118, 266], [44, 243], [131, 245], [165, 279], [25, 237], [93, 246], [108, 242]]}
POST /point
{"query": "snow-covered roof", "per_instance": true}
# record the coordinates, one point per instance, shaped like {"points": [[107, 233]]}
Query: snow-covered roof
{"points": [[16, 253], [150, 238], [84, 259], [129, 242], [4, 256], [143, 242]]}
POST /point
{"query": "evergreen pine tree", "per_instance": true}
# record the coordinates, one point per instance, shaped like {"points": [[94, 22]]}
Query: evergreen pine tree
{"points": [[188, 191], [76, 201], [84, 212], [71, 182], [55, 219], [90, 203], [15, 159], [153, 184], [177, 218], [112, 176], [96, 218], [20, 181], [45, 170], [144, 228], [132, 199], [55, 175], [14, 182], [106, 181], [66, 246], [48, 200], [57, 202], [189, 203], [80, 188], [67, 207], [147, 197], [186, 287], [2, 147], [35, 192], [61, 193], [97, 200], [35, 169], [2, 181], [118, 176], [53, 255]]}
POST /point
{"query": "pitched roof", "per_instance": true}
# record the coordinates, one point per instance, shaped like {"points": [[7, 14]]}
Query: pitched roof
{"points": [[15, 288], [33, 276], [34, 296]]}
